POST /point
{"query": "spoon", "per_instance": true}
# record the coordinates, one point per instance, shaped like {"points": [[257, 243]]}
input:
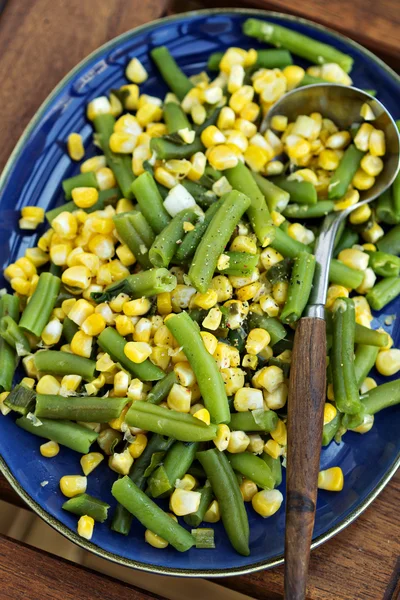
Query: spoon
{"points": [[307, 389]]}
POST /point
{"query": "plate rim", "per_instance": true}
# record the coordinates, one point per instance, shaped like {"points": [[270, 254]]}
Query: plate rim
{"points": [[5, 469]]}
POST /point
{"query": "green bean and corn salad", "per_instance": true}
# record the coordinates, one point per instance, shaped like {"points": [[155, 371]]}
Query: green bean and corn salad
{"points": [[155, 316]]}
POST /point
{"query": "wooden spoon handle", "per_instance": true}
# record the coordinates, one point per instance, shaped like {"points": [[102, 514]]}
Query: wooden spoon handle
{"points": [[307, 393]]}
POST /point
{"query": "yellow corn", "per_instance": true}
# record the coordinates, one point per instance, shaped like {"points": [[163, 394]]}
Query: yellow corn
{"points": [[32, 216], [154, 539], [377, 144], [93, 164], [160, 357], [279, 434], [188, 483], [90, 461], [148, 113], [121, 384], [223, 287], [332, 479], [373, 234], [185, 374], [80, 311], [242, 96], [247, 398], [135, 71], [273, 449], [293, 75], [222, 438], [65, 224], [184, 502], [248, 490], [142, 331], [49, 449], [360, 215], [75, 146], [179, 398], [226, 118], [244, 243], [246, 127], [85, 527], [51, 334], [212, 514], [213, 319], [94, 324], [136, 308], [137, 447], [362, 181], [250, 112], [98, 106], [121, 462], [85, 197], [372, 165], [198, 114], [48, 385], [350, 198], [361, 139], [137, 352], [279, 122], [164, 305], [69, 384], [356, 259], [267, 502], [72, 485], [206, 300], [238, 442], [368, 384], [105, 178], [388, 362], [76, 277], [330, 412], [257, 340], [210, 341], [277, 399], [338, 140], [135, 390], [211, 136], [233, 378], [81, 344]]}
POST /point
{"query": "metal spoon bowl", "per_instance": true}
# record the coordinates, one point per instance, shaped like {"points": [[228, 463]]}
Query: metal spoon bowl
{"points": [[307, 390]]}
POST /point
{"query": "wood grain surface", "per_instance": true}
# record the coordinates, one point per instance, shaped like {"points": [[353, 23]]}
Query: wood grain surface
{"points": [[31, 574], [40, 42]]}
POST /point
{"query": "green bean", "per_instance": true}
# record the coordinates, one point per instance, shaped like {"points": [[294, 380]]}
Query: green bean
{"points": [[211, 119], [385, 208], [330, 429], [86, 409], [274, 327], [142, 227], [226, 490], [341, 274], [213, 242], [166, 243], [275, 467], [203, 196], [57, 362], [113, 343], [162, 388], [252, 467], [150, 202], [175, 79], [310, 80], [69, 329], [81, 180], [370, 337], [21, 399], [120, 164], [383, 396], [174, 117], [37, 312], [150, 515], [286, 245], [396, 192], [144, 465], [14, 336], [346, 240], [181, 426], [240, 263], [304, 211], [390, 242], [276, 198], [300, 286], [106, 197], [241, 179], [281, 271], [266, 59], [74, 436], [176, 462], [300, 192], [192, 238], [122, 520], [262, 420], [383, 264], [364, 360], [84, 504], [384, 292], [345, 172], [345, 386], [204, 537], [140, 285], [167, 149], [9, 306], [297, 43], [128, 234], [194, 519], [209, 379]]}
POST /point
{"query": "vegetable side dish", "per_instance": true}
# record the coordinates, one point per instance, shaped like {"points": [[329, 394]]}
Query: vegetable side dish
{"points": [[155, 316]]}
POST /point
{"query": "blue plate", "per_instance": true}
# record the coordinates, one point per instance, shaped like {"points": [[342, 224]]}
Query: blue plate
{"points": [[32, 177]]}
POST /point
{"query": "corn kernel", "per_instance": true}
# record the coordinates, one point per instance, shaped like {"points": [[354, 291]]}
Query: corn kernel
{"points": [[154, 539], [350, 198], [49, 449], [184, 502], [279, 434], [330, 412], [277, 399], [164, 305], [137, 308], [238, 442], [212, 514], [222, 438], [355, 259], [72, 485], [75, 146], [223, 287], [361, 139], [372, 165], [85, 527], [137, 447], [48, 385], [51, 334], [210, 341], [76, 277], [331, 479], [257, 340], [233, 379], [360, 215], [203, 415], [185, 374], [388, 362], [362, 181], [121, 462], [272, 448], [248, 399], [98, 106], [293, 75], [368, 384], [213, 319], [93, 164], [137, 352], [179, 398], [160, 357], [135, 71], [80, 311], [148, 113], [267, 502], [20, 286], [377, 144], [81, 344], [65, 224]]}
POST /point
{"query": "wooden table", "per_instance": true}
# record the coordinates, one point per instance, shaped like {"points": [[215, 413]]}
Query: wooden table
{"points": [[39, 43]]}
